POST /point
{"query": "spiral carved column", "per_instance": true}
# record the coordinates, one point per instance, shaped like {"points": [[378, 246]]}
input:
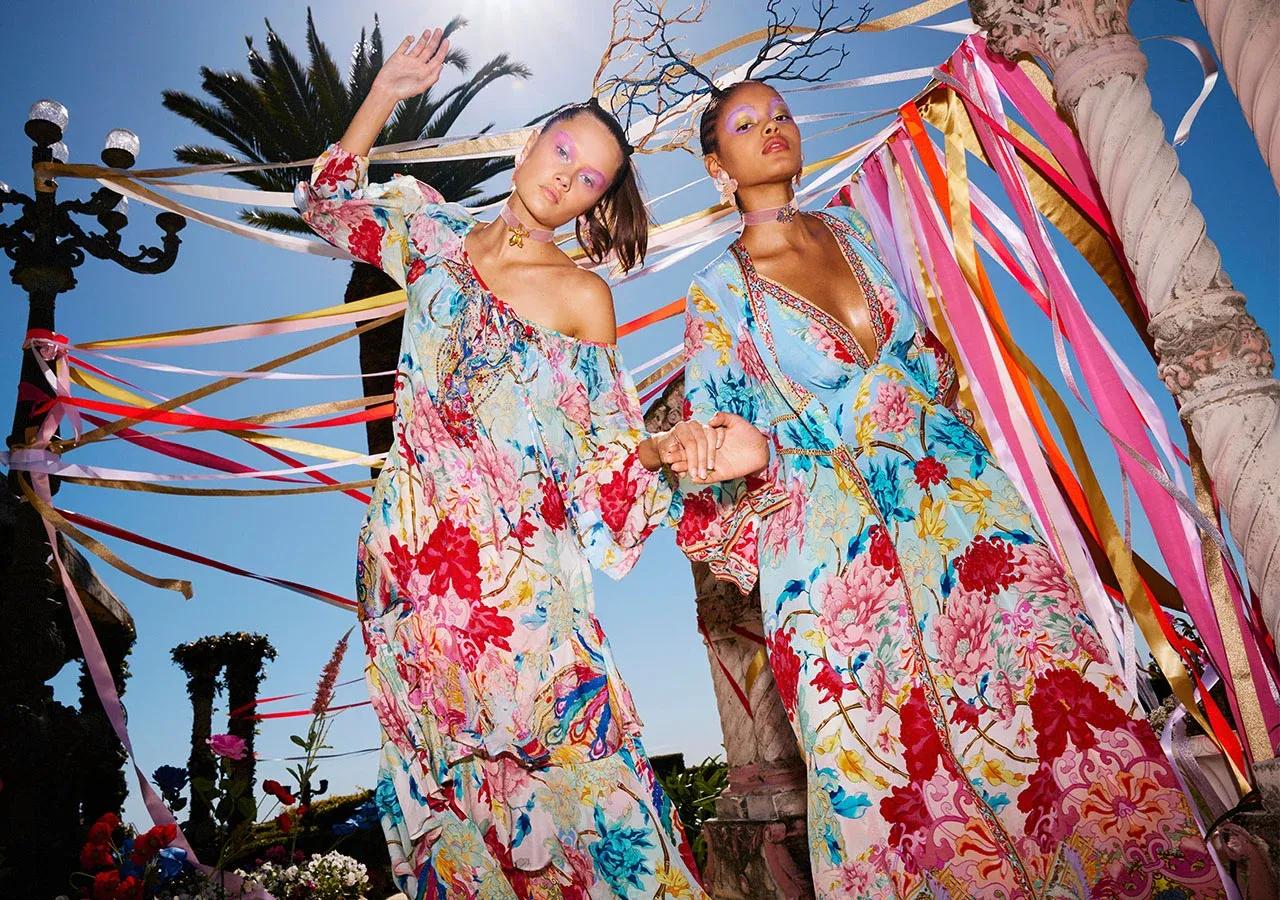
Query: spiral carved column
{"points": [[1246, 37], [1211, 353], [757, 844]]}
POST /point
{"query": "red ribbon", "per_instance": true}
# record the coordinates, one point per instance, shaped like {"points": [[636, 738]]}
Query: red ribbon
{"points": [[733, 682]]}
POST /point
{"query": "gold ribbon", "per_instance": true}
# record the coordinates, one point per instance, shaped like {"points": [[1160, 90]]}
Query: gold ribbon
{"points": [[54, 518], [368, 304], [1239, 670], [754, 670], [900, 19], [939, 107]]}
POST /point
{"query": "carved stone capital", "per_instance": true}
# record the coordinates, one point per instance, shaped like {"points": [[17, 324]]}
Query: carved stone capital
{"points": [[1083, 41], [1208, 342], [1049, 29]]}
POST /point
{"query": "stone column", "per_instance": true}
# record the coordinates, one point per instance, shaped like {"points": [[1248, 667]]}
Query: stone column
{"points": [[1211, 353], [1246, 37], [757, 845]]}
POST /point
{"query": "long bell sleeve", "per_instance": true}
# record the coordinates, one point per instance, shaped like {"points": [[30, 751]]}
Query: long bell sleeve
{"points": [[720, 524]]}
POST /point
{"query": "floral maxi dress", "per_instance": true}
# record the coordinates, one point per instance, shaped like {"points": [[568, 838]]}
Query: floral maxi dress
{"points": [[511, 762], [964, 733]]}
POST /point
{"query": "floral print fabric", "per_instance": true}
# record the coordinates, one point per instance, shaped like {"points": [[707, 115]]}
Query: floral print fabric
{"points": [[964, 732], [511, 765]]}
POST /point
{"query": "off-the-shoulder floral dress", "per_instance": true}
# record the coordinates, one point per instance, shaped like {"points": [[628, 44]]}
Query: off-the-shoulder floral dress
{"points": [[511, 761], [964, 732]]}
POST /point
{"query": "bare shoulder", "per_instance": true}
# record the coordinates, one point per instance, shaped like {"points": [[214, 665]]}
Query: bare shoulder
{"points": [[591, 301]]}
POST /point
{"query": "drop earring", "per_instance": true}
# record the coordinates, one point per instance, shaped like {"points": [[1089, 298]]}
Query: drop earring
{"points": [[727, 186]]}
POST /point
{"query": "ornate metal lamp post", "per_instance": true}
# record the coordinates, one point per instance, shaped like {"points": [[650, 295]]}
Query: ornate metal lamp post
{"points": [[47, 243], [60, 766]]}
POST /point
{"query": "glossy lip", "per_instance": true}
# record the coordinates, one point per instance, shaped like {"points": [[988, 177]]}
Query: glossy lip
{"points": [[775, 145], [551, 195]]}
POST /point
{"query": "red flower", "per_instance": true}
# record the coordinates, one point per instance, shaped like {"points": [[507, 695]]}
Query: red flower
{"points": [[402, 561], [95, 855], [883, 553], [1064, 705], [485, 626], [452, 556], [415, 271], [552, 505], [284, 821], [524, 530], [336, 171], [152, 842], [987, 566], [828, 680], [365, 241], [279, 791], [921, 745], [100, 831], [786, 668], [1049, 819], [699, 512], [929, 472], [109, 886], [908, 817], [618, 495]]}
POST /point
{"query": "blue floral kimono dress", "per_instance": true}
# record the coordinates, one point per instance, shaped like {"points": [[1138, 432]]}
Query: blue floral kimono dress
{"points": [[964, 733], [511, 762]]}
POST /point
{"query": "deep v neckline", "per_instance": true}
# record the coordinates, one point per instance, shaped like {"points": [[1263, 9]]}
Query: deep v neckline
{"points": [[836, 328]]}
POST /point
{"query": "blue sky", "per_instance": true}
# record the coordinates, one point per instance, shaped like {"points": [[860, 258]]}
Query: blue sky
{"points": [[109, 69]]}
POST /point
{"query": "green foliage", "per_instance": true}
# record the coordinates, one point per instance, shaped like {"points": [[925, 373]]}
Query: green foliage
{"points": [[693, 791]]}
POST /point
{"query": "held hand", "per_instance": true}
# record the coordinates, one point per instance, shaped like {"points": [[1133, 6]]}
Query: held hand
{"points": [[727, 447], [690, 447], [744, 450], [413, 67]]}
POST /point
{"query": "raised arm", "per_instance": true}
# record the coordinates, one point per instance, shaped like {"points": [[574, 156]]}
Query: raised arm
{"points": [[414, 67]]}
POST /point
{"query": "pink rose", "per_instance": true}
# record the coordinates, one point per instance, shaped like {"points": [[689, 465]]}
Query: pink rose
{"points": [[227, 745], [892, 411], [852, 604], [964, 636], [694, 329]]}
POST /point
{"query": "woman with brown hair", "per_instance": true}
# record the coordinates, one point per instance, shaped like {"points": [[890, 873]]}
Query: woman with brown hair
{"points": [[511, 759]]}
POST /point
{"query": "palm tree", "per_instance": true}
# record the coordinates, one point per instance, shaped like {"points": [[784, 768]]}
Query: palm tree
{"points": [[284, 112]]}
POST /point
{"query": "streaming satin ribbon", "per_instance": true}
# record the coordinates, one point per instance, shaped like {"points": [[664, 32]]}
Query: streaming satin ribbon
{"points": [[1201, 611]]}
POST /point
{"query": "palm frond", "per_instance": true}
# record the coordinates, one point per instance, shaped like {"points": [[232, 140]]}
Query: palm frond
{"points": [[333, 103], [500, 66], [280, 111], [215, 120], [275, 220]]}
